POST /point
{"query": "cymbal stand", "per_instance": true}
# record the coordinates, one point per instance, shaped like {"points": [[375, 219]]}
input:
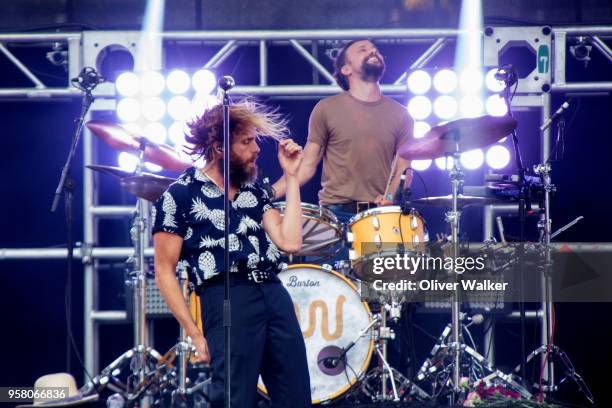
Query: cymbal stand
{"points": [[141, 359]]}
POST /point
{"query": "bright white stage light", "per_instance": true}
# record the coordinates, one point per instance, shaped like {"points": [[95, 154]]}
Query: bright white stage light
{"points": [[445, 81], [204, 81], [473, 159], [201, 103], [419, 107], [493, 84], [152, 83], [419, 82], [445, 107], [155, 132], [178, 82], [471, 106], [127, 161], [128, 110], [420, 128], [176, 133], [420, 165], [498, 157], [153, 108], [470, 81], [179, 107], [496, 106], [127, 84], [445, 163]]}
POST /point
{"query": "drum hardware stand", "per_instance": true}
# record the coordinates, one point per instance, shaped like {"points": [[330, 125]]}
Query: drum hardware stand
{"points": [[139, 357], [545, 227]]}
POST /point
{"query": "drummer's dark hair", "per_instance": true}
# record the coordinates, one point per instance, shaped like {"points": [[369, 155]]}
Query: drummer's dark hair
{"points": [[340, 61], [207, 130]]}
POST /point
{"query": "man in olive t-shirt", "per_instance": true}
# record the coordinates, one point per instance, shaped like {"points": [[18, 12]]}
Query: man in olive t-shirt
{"points": [[356, 133]]}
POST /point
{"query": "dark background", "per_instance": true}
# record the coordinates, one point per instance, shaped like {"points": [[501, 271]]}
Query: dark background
{"points": [[35, 137]]}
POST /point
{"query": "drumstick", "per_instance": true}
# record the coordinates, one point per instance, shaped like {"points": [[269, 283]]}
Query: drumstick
{"points": [[393, 165]]}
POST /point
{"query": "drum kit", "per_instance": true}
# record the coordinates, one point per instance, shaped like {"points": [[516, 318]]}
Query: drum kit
{"points": [[342, 332]]}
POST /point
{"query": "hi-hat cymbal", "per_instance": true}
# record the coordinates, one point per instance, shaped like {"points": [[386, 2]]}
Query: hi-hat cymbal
{"points": [[148, 186], [447, 201], [460, 135], [123, 140]]}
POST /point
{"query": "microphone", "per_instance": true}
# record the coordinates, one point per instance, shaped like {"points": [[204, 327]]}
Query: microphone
{"points": [[403, 195], [555, 116], [226, 82], [506, 74], [87, 79]]}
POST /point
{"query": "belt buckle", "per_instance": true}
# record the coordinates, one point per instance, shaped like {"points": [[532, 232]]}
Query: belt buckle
{"points": [[256, 277], [363, 204]]}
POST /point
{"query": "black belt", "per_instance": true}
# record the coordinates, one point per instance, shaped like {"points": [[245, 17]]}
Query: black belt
{"points": [[352, 206], [253, 277]]}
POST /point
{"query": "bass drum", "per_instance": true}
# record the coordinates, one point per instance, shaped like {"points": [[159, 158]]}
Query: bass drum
{"points": [[331, 315]]}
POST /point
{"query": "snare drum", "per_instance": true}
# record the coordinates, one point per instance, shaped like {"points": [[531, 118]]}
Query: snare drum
{"points": [[378, 231], [331, 315], [320, 230]]}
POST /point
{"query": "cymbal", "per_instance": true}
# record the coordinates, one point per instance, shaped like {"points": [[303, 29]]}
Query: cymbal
{"points": [[123, 140], [465, 134], [110, 170], [447, 201], [147, 186]]}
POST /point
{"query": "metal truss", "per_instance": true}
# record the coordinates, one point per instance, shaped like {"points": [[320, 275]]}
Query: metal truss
{"points": [[84, 49]]}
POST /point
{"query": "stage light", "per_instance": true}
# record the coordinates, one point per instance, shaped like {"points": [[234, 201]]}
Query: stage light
{"points": [[420, 128], [127, 161], [152, 83], [153, 108], [419, 82], [496, 106], [445, 107], [445, 81], [128, 110], [498, 157], [178, 82], [204, 81], [419, 107], [470, 81], [445, 163], [473, 159], [155, 132], [176, 133], [179, 108], [201, 103], [127, 84], [494, 85], [471, 106], [420, 165]]}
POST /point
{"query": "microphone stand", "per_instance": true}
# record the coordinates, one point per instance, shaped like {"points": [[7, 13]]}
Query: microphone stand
{"points": [[524, 204], [67, 185], [226, 83]]}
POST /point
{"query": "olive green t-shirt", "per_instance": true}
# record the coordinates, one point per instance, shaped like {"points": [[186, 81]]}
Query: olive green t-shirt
{"points": [[359, 141]]}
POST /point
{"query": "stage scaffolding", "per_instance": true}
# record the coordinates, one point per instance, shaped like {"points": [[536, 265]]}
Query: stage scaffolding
{"points": [[85, 49]]}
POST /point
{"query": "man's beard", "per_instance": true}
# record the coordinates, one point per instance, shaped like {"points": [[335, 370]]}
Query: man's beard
{"points": [[372, 72], [239, 172]]}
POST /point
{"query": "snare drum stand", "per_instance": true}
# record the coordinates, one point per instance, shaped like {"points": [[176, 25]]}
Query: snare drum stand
{"points": [[141, 359]]}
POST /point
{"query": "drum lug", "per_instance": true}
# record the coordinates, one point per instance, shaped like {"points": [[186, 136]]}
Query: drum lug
{"points": [[327, 267], [375, 223], [413, 222], [350, 237], [352, 255]]}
